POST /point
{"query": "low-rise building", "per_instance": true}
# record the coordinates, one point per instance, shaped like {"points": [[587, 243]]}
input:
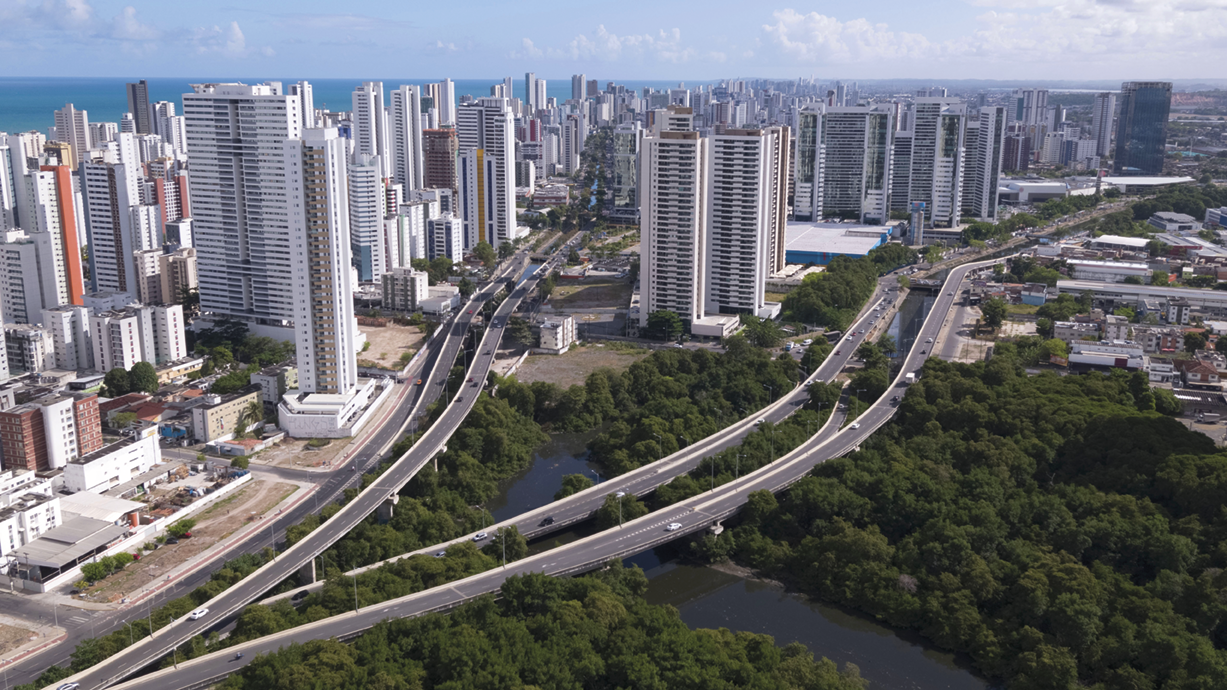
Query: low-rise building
{"points": [[275, 381], [440, 299], [1109, 271], [557, 334], [176, 370], [1073, 331], [219, 416], [28, 509], [30, 349], [1111, 355], [1216, 217], [115, 463], [1168, 221], [404, 288], [1197, 374]]}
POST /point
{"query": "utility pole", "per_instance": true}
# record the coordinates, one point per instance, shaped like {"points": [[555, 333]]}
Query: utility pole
{"points": [[739, 457], [503, 532], [351, 567], [149, 611]]}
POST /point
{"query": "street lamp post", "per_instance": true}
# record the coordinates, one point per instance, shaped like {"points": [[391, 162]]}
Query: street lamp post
{"points": [[772, 389], [739, 457], [659, 445]]}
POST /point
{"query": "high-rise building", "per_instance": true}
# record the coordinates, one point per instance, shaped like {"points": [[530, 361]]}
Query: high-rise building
{"points": [[592, 88], [138, 106], [324, 322], [672, 162], [574, 131], [405, 123], [445, 237], [487, 176], [445, 103], [985, 148], [27, 276], [71, 337], [1141, 128], [366, 215], [115, 222], [138, 333], [306, 102], [577, 87], [404, 288], [439, 150], [937, 158], [530, 93], [177, 272], [72, 128], [539, 98], [623, 180], [370, 131], [53, 209], [746, 213], [240, 200], [1102, 112], [844, 163]]}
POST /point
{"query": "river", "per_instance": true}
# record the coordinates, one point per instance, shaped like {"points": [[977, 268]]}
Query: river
{"points": [[709, 598]]}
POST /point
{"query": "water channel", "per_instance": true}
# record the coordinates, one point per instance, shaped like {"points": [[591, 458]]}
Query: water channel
{"points": [[711, 598]]}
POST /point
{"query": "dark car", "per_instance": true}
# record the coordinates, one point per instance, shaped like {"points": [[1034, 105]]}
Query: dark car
{"points": [[548, 521], [299, 596]]}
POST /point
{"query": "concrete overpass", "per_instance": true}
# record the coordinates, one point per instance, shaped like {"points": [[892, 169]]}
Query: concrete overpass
{"points": [[694, 515]]}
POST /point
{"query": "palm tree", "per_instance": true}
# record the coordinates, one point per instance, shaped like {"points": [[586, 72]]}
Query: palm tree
{"points": [[252, 413]]}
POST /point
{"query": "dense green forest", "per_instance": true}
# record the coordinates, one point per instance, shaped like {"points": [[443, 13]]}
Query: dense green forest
{"points": [[1056, 529], [661, 403], [590, 632]]}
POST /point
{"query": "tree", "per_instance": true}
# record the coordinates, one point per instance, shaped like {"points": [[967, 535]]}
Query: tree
{"points": [[1194, 341], [240, 463], [506, 249], [887, 344], [933, 253], [664, 324], [1134, 280], [573, 257], [123, 420], [994, 312], [520, 332], [466, 287], [571, 484], [1055, 348], [1220, 344], [761, 332], [510, 539], [253, 413], [116, 383], [1159, 278], [181, 527], [221, 356], [546, 286], [142, 378], [904, 281], [189, 297], [485, 252], [617, 511]]}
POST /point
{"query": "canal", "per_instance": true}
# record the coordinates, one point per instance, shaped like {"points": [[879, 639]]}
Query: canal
{"points": [[726, 598]]}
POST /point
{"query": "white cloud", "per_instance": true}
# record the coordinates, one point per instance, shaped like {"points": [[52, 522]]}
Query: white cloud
{"points": [[605, 46], [1077, 37], [226, 41]]}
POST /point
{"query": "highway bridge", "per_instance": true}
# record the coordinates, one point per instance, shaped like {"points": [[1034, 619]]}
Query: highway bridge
{"points": [[230, 602], [694, 515]]}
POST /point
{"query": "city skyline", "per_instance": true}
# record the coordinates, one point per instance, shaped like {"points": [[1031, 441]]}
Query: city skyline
{"points": [[950, 39]]}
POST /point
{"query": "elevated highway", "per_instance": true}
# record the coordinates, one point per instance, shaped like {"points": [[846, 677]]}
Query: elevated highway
{"points": [[691, 516]]}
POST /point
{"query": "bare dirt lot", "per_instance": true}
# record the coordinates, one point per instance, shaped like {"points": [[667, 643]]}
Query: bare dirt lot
{"points": [[574, 366], [389, 344], [12, 637], [217, 522], [591, 293]]}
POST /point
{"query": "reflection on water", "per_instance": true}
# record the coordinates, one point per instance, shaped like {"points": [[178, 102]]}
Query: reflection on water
{"points": [[888, 658], [534, 487]]}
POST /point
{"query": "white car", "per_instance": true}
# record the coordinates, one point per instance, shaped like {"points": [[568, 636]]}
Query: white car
{"points": [[673, 527], [760, 420], [480, 536], [807, 342], [620, 494], [855, 425], [928, 340], [198, 614]]}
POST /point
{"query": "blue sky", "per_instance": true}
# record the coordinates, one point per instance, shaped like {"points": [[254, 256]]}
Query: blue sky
{"points": [[664, 39]]}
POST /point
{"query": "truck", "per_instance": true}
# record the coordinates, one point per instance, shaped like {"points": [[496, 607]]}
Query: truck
{"points": [[909, 378]]}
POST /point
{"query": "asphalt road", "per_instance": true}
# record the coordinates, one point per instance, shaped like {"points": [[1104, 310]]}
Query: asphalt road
{"points": [[288, 564], [583, 505], [693, 515]]}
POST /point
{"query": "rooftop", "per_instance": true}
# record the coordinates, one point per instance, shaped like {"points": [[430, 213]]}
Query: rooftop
{"points": [[1122, 241], [63, 545], [834, 238]]}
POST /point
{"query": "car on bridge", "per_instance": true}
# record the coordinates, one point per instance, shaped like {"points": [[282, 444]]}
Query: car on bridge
{"points": [[480, 536], [673, 527], [198, 614]]}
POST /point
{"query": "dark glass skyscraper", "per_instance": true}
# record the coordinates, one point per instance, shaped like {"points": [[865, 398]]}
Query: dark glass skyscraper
{"points": [[1141, 129]]}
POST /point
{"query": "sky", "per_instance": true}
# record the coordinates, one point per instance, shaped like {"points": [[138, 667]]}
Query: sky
{"points": [[663, 39]]}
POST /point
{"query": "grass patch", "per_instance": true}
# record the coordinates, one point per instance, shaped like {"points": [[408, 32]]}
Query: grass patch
{"points": [[224, 502], [1022, 308], [775, 296]]}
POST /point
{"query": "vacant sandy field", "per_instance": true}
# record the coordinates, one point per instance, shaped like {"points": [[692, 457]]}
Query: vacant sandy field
{"points": [[12, 637], [574, 366], [388, 344]]}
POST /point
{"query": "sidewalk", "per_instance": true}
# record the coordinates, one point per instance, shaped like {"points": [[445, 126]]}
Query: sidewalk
{"points": [[42, 636]]}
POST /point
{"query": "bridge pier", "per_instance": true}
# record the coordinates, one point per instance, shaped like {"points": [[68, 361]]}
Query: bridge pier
{"points": [[386, 508], [716, 528], [306, 574]]}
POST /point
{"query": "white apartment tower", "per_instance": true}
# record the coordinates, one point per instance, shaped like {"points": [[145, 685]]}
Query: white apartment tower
{"points": [[70, 331], [577, 87], [672, 163], [1102, 112], [240, 199], [746, 211], [306, 102], [405, 123], [72, 127], [114, 220], [366, 215], [985, 145], [486, 136], [324, 322], [370, 129]]}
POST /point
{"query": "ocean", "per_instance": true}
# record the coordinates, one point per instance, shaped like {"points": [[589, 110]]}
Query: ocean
{"points": [[28, 103]]}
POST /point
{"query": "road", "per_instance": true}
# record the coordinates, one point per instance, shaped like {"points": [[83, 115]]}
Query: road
{"points": [[288, 564], [693, 515], [583, 505]]}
